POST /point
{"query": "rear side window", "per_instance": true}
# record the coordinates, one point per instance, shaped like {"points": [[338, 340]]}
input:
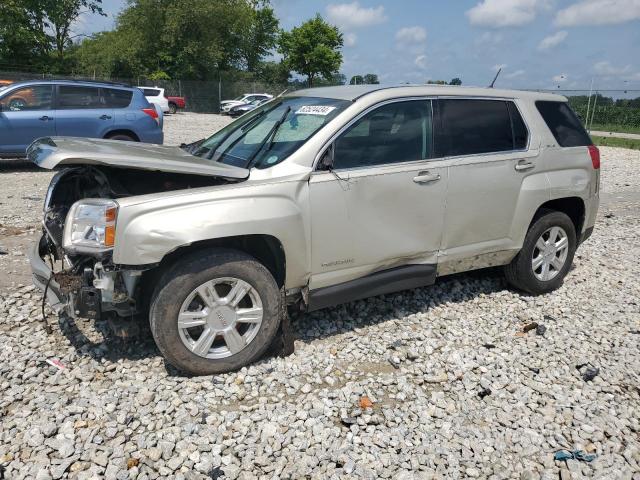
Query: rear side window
{"points": [[563, 123], [115, 98], [151, 92], [469, 126], [72, 97]]}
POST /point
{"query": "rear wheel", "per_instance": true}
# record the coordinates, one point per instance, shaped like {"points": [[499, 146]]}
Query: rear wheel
{"points": [[546, 255], [122, 136], [173, 108], [215, 312]]}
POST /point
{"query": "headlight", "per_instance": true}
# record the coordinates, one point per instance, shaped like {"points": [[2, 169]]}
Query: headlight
{"points": [[91, 226]]}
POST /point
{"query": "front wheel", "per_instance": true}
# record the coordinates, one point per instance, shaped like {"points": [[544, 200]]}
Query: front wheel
{"points": [[546, 255], [215, 312]]}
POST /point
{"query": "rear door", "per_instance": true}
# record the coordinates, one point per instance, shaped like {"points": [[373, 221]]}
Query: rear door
{"points": [[487, 142], [26, 114], [82, 112]]}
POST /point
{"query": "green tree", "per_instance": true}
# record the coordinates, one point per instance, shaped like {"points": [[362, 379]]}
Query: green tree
{"points": [[60, 15], [455, 81], [260, 37], [312, 49], [23, 42], [273, 73], [356, 80], [371, 79]]}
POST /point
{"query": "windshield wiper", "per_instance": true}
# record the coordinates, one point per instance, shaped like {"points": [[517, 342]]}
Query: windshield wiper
{"points": [[270, 137]]}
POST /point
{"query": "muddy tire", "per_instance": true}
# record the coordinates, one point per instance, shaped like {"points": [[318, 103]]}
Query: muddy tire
{"points": [[215, 311], [546, 255]]}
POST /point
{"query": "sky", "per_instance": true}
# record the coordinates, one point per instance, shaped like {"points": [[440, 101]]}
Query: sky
{"points": [[541, 44]]}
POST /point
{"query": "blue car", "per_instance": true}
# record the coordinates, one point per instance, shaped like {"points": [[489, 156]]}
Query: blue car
{"points": [[34, 109]]}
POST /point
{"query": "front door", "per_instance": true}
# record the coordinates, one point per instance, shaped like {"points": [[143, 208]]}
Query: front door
{"points": [[382, 204], [26, 114], [81, 112]]}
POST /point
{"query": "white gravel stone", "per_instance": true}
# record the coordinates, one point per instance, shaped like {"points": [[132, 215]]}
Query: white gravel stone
{"points": [[422, 357]]}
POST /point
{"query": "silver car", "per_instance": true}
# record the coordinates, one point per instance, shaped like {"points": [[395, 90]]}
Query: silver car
{"points": [[317, 198]]}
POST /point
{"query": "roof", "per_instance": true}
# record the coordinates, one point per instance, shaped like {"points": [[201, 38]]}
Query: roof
{"points": [[353, 92], [70, 82]]}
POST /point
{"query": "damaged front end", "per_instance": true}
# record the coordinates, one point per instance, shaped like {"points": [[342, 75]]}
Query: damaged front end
{"points": [[72, 262]]}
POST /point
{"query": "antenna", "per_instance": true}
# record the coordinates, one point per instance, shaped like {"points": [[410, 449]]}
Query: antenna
{"points": [[496, 77]]}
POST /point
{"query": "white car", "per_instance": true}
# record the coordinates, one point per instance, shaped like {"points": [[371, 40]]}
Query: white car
{"points": [[226, 105], [156, 96]]}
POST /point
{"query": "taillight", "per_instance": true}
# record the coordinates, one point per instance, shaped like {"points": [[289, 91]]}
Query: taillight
{"points": [[152, 113], [595, 156]]}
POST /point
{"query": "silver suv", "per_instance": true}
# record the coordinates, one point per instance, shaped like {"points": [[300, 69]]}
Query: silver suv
{"points": [[316, 198]]}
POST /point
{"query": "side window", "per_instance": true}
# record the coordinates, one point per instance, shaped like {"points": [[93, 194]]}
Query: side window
{"points": [[76, 97], [563, 123], [393, 133], [151, 92], [115, 98], [35, 97], [470, 127], [520, 134]]}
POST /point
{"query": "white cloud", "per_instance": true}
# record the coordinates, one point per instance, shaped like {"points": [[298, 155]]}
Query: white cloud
{"points": [[421, 61], [605, 68], [352, 15], [552, 40], [411, 35], [517, 73], [350, 39], [562, 77], [598, 12], [505, 13], [490, 38]]}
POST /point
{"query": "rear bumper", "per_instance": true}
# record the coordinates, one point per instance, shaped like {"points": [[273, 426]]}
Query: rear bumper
{"points": [[153, 137], [41, 275]]}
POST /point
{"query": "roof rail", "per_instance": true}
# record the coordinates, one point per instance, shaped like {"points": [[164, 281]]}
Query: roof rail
{"points": [[76, 80]]}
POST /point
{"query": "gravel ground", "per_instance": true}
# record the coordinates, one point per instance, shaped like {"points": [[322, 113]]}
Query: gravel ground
{"points": [[438, 382]]}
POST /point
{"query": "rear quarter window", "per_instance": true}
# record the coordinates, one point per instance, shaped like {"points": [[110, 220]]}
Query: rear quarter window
{"points": [[563, 123], [116, 98], [151, 92]]}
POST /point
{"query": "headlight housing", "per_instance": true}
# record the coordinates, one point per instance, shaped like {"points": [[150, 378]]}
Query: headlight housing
{"points": [[91, 226]]}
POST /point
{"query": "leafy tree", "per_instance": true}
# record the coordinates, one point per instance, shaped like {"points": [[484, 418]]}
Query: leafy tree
{"points": [[261, 36], [273, 73], [436, 82], [455, 81], [60, 16], [23, 42], [371, 79], [312, 49], [356, 80]]}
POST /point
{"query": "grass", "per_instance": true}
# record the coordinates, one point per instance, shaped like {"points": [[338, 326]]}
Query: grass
{"points": [[612, 127], [616, 142]]}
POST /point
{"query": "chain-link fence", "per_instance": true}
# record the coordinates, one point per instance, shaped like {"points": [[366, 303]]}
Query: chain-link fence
{"points": [[201, 96], [599, 109]]}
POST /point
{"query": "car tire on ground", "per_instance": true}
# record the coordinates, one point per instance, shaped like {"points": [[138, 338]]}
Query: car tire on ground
{"points": [[215, 311], [546, 255], [173, 108], [122, 136]]}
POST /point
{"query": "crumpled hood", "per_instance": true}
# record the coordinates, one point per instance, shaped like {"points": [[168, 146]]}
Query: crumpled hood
{"points": [[51, 152]]}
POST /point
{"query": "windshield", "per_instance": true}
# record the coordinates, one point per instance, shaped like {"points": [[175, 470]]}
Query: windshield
{"points": [[271, 132], [239, 98]]}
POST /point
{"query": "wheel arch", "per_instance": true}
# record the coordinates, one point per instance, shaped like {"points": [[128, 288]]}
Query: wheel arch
{"points": [[122, 131], [573, 207]]}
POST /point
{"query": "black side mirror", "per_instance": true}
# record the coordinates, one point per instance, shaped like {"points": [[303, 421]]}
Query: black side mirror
{"points": [[326, 161]]}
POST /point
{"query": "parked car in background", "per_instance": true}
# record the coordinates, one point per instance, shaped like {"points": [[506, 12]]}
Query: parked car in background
{"points": [[246, 107], [176, 103], [43, 108], [321, 197], [156, 96], [4, 83], [226, 105]]}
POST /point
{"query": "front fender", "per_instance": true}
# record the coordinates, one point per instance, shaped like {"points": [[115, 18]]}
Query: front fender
{"points": [[146, 232]]}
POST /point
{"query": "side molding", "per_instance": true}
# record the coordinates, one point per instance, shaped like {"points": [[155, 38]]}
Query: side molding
{"points": [[378, 283]]}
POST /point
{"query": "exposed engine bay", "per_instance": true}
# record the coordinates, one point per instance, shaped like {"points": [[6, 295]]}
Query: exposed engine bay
{"points": [[91, 282]]}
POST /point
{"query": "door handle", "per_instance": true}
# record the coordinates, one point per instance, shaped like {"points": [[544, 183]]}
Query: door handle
{"points": [[105, 117], [524, 165], [426, 177], [45, 118]]}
